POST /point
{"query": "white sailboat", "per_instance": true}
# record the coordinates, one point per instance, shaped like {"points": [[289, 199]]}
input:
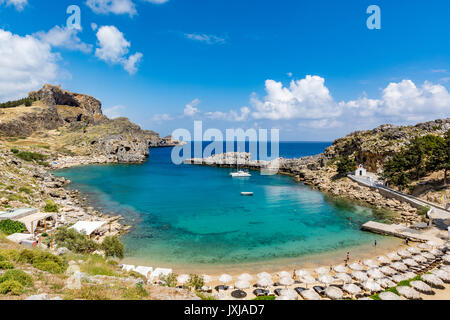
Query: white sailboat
{"points": [[239, 173]]}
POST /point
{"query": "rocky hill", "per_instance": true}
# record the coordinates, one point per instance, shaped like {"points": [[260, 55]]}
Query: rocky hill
{"points": [[373, 147], [72, 124]]}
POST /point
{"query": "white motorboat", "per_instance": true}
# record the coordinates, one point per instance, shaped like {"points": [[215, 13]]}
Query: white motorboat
{"points": [[240, 174], [247, 194]]}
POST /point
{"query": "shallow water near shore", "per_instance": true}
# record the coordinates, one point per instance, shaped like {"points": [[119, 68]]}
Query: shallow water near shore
{"points": [[194, 218]]}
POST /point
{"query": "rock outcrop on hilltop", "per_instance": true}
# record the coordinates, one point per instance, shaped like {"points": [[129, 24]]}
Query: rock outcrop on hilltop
{"points": [[53, 95]]}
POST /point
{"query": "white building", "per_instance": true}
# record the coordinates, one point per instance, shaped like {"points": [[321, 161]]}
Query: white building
{"points": [[361, 171]]}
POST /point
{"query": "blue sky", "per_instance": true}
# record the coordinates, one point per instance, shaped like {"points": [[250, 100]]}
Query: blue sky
{"points": [[311, 68]]}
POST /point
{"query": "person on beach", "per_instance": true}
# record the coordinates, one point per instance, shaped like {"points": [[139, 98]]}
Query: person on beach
{"points": [[407, 241], [348, 258], [375, 243]]}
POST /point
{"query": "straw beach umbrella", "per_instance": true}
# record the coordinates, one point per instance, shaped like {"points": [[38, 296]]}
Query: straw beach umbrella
{"points": [[307, 280], [289, 293], [375, 274], [410, 262], [399, 266], [264, 282], [356, 267], [372, 286], [385, 283], [428, 256], [408, 292], [446, 259], [383, 260], [334, 293], [344, 277], [389, 296], [351, 288], [245, 277], [394, 256], [413, 250], [409, 275], [302, 273], [326, 279], [388, 271], [340, 269], [225, 278], [206, 278], [310, 294], [398, 278], [437, 252], [433, 281], [286, 281], [322, 270], [283, 274], [419, 259], [264, 275], [370, 263], [421, 287], [442, 274], [404, 253], [242, 284], [423, 247], [359, 276]]}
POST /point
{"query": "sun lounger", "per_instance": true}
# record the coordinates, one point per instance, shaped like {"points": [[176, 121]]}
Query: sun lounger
{"points": [[278, 292], [299, 290], [320, 290], [261, 292]]}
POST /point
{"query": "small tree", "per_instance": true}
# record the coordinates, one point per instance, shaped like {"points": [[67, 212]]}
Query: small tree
{"points": [[75, 241], [345, 166], [113, 247]]}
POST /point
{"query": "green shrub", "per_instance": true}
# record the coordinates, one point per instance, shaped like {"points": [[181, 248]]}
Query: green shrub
{"points": [[2, 258], [74, 241], [26, 256], [196, 281], [6, 265], [113, 247], [15, 103], [17, 275], [31, 156], [169, 280], [9, 227], [10, 254], [50, 206], [11, 287], [49, 266], [25, 190], [136, 293], [345, 166], [262, 298], [15, 151]]}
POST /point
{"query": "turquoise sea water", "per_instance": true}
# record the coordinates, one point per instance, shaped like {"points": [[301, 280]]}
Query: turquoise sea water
{"points": [[196, 215]]}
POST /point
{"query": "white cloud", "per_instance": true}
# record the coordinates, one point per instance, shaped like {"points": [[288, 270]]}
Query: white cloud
{"points": [[113, 48], [94, 26], [191, 108], [18, 4], [114, 112], [207, 38], [231, 115], [308, 98], [64, 38], [26, 63], [162, 117], [112, 6], [405, 101]]}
